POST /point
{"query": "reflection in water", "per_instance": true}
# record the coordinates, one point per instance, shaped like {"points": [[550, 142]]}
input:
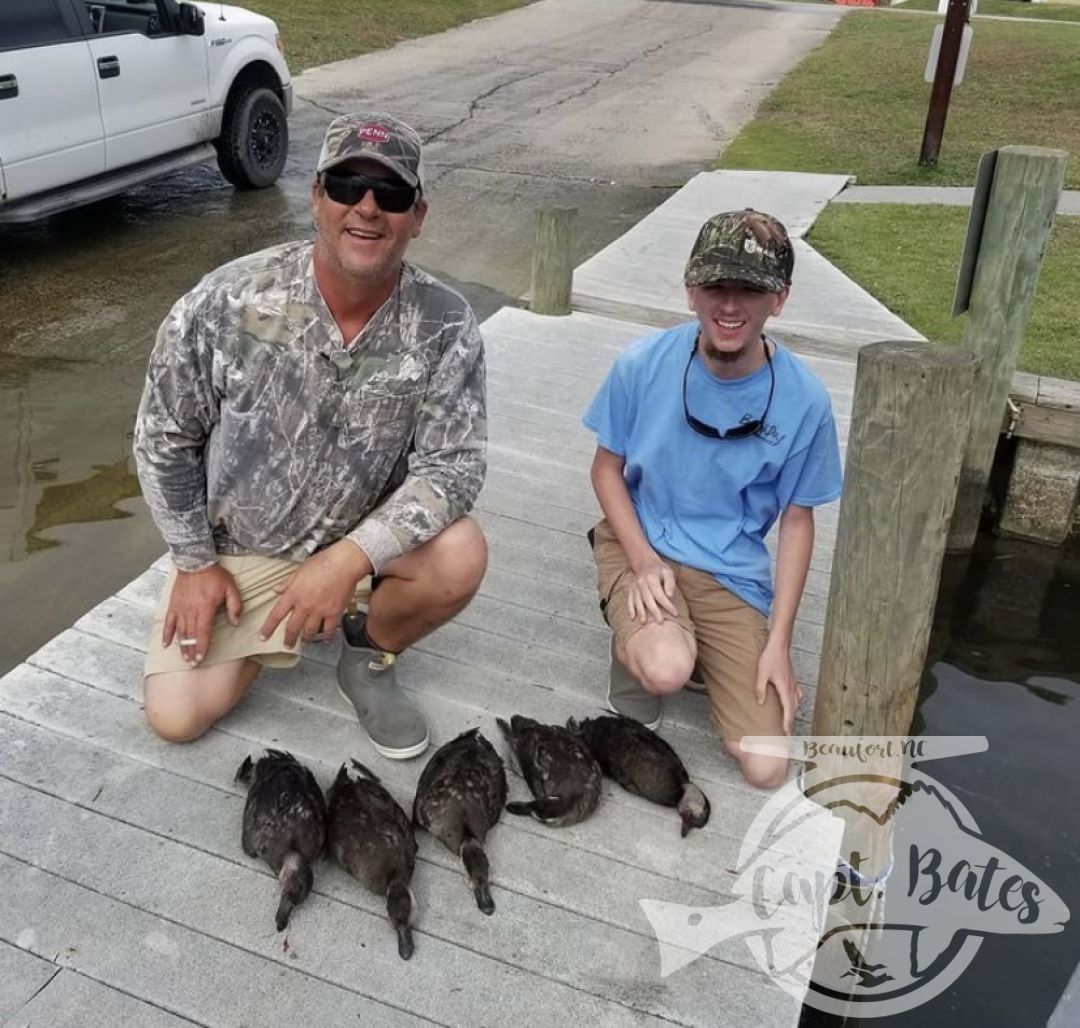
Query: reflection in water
{"points": [[84, 293], [90, 499], [1004, 662]]}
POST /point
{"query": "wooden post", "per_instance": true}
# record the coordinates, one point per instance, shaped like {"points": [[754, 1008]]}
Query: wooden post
{"points": [[553, 261], [956, 17], [1023, 199], [908, 426]]}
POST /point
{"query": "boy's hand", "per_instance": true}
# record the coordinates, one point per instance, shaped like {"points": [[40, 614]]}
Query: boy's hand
{"points": [[774, 668], [650, 594]]}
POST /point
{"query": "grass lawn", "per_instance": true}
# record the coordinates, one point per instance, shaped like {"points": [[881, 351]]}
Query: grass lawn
{"points": [[1008, 8], [858, 103], [907, 256], [330, 30]]}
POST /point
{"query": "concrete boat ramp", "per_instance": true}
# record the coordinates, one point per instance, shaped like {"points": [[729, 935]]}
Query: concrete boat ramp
{"points": [[125, 898]]}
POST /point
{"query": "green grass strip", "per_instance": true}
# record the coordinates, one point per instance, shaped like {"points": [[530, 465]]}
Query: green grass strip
{"points": [[858, 103], [331, 30], [1008, 9], [907, 255]]}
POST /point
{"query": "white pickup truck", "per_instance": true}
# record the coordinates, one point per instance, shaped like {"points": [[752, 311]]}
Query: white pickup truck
{"points": [[99, 95]]}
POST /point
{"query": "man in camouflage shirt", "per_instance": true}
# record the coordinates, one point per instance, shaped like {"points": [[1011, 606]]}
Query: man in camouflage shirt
{"points": [[315, 414]]}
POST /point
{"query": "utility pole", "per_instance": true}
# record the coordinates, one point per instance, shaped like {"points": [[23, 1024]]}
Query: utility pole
{"points": [[956, 17]]}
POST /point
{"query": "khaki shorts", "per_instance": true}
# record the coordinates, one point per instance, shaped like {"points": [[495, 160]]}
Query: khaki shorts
{"points": [[730, 636], [256, 577]]}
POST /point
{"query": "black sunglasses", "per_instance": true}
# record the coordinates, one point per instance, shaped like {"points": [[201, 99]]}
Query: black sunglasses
{"points": [[349, 189], [747, 428]]}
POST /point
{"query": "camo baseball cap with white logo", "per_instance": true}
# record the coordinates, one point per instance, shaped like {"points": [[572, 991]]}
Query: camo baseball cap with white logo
{"points": [[374, 136], [742, 246]]}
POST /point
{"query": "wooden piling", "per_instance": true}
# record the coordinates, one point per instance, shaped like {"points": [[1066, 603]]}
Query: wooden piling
{"points": [[553, 261], [909, 424], [1023, 199], [908, 427]]}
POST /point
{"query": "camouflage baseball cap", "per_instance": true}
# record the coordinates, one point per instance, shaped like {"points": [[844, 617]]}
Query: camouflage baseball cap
{"points": [[374, 136], [742, 246]]}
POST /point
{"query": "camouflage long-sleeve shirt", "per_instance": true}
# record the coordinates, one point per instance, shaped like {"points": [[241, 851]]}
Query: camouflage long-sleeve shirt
{"points": [[261, 431]]}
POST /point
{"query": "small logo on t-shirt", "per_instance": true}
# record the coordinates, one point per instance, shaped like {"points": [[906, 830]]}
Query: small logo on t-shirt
{"points": [[768, 432]]}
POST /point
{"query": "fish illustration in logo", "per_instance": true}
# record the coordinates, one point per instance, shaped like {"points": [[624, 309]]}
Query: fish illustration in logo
{"points": [[948, 888]]}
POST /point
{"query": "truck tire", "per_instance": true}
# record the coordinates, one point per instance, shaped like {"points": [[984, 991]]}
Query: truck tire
{"points": [[254, 140]]}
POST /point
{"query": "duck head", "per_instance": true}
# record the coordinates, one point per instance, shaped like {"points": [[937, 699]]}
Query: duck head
{"points": [[694, 809]]}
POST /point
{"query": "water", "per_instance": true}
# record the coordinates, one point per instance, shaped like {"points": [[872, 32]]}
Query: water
{"points": [[1004, 662]]}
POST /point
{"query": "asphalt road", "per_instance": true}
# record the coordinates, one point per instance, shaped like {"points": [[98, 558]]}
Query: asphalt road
{"points": [[605, 105]]}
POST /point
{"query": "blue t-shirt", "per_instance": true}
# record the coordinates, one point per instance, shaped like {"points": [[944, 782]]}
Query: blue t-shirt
{"points": [[709, 503]]}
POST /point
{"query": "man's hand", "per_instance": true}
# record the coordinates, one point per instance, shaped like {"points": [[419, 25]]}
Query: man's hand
{"points": [[195, 599], [774, 667], [650, 593], [316, 595]]}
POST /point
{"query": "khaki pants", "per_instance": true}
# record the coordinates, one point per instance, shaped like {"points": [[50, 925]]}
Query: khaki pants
{"points": [[730, 636], [257, 578]]}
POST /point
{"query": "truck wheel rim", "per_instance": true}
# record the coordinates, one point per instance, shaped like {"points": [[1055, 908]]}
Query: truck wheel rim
{"points": [[265, 139]]}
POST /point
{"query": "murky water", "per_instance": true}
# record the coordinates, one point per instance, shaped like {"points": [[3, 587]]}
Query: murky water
{"points": [[1004, 662], [83, 294]]}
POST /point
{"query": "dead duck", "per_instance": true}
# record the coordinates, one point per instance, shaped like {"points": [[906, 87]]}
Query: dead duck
{"points": [[284, 823], [459, 797], [371, 837], [558, 768], [644, 764]]}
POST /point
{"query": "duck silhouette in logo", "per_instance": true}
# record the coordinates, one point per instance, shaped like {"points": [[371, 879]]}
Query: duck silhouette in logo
{"points": [[865, 971]]}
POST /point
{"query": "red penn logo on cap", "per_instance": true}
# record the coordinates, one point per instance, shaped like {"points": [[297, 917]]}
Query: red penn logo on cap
{"points": [[373, 134]]}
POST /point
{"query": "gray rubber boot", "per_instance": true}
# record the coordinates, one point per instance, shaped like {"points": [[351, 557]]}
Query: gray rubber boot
{"points": [[367, 678], [697, 680], [627, 696]]}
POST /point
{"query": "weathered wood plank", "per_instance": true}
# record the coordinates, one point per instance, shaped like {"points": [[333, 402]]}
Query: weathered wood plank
{"points": [[1058, 392], [1059, 426], [538, 934], [72, 1000], [624, 828], [22, 975], [540, 866], [164, 963], [233, 903]]}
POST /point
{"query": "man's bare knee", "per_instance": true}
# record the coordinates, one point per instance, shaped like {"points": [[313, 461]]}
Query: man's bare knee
{"points": [[176, 726], [457, 559], [181, 706], [171, 720]]}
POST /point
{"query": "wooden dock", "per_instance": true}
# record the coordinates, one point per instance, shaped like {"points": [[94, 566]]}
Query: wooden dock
{"points": [[125, 897]]}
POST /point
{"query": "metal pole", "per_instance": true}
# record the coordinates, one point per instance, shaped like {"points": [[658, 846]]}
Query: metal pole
{"points": [[956, 17]]}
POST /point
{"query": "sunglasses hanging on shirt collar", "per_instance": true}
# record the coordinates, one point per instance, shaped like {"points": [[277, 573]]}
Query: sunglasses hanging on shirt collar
{"points": [[747, 428]]}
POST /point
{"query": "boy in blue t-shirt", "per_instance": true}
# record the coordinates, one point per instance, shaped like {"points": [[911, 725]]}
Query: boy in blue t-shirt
{"points": [[707, 433]]}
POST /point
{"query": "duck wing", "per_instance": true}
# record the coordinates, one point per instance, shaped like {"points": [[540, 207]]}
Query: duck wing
{"points": [[370, 836], [284, 813], [461, 791], [637, 758]]}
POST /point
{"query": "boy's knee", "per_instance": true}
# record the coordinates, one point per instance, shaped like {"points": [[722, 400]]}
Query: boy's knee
{"points": [[664, 669], [763, 771]]}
